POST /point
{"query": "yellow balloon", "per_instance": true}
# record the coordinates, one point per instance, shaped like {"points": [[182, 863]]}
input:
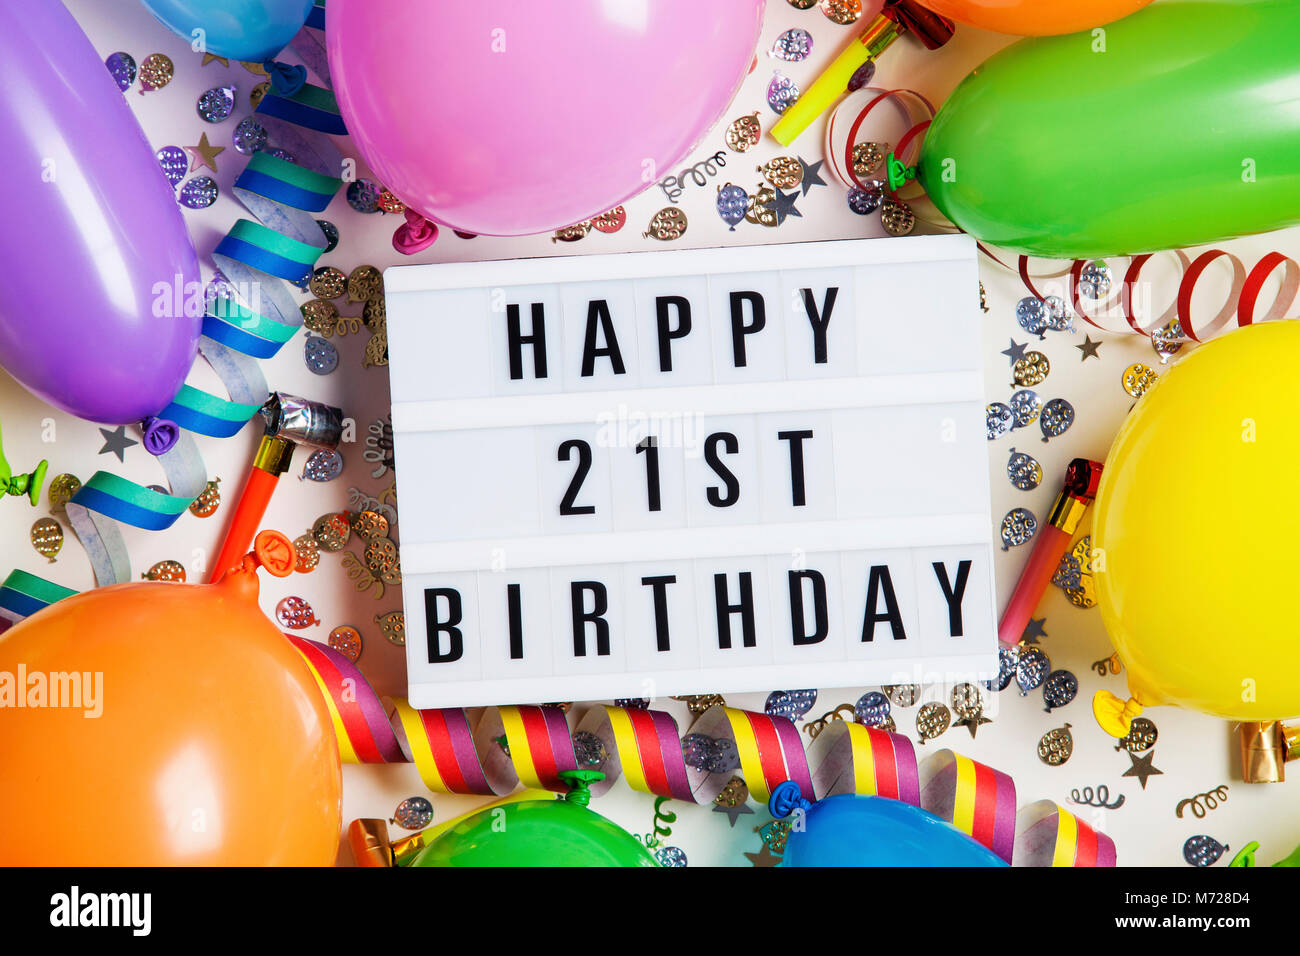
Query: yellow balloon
{"points": [[1196, 523]]}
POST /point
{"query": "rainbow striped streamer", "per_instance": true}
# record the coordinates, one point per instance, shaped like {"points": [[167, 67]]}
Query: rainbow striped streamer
{"points": [[531, 745]]}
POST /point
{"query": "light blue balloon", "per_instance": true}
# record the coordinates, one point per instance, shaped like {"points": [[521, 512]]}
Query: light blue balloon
{"points": [[253, 30], [849, 830]]}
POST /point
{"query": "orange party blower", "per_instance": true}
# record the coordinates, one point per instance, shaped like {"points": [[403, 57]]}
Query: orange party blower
{"points": [[165, 724], [1081, 480], [289, 419]]}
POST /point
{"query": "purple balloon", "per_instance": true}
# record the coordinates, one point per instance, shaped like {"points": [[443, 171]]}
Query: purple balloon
{"points": [[94, 235]]}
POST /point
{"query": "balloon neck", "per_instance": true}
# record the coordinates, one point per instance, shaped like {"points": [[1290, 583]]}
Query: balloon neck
{"points": [[416, 235], [272, 551], [1113, 715], [579, 783], [286, 80], [788, 799]]}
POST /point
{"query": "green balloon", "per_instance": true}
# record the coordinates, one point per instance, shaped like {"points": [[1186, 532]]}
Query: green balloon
{"points": [[536, 833], [1175, 126]]}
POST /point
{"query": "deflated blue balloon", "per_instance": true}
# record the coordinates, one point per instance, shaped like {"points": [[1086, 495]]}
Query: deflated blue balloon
{"points": [[253, 30], [849, 830]]}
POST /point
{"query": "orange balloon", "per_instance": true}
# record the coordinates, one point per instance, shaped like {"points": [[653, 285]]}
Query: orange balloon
{"points": [[1030, 18], [198, 735]]}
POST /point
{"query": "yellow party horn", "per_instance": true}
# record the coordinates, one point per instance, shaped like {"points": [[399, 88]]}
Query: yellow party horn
{"points": [[896, 18]]}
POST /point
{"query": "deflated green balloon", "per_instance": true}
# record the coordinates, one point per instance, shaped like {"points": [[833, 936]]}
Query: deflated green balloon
{"points": [[537, 833], [1176, 126]]}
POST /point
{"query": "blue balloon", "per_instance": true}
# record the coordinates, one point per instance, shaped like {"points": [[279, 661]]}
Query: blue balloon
{"points": [[253, 30], [849, 830]]}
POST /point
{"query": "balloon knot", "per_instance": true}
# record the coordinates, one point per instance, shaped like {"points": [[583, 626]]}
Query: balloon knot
{"points": [[160, 435], [286, 79], [415, 235]]}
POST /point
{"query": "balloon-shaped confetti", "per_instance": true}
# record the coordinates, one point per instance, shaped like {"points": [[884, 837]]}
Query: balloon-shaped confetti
{"points": [[216, 104], [744, 133], [347, 641], [61, 489], [1095, 280], [47, 538], [332, 531], [1030, 370], [1056, 746], [999, 418], [1059, 689], [1056, 418], [1008, 658], [295, 613], [1202, 850], [1031, 669], [932, 720], [610, 222], [670, 856], [1059, 316], [793, 45], [156, 72], [208, 501], [1025, 406], [902, 695], [872, 709], [732, 202], [249, 137], [84, 324], [324, 464], [667, 224], [175, 164], [1138, 378], [1141, 736], [1031, 315], [781, 92], [1018, 526], [121, 67], [1023, 471], [791, 704], [393, 626], [166, 571], [320, 355], [199, 192], [864, 201], [413, 813]]}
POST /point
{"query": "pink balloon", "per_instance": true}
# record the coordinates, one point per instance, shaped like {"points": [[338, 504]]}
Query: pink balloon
{"points": [[509, 118]]}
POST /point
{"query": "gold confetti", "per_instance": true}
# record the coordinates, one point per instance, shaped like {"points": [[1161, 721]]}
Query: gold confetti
{"points": [[932, 720], [364, 284], [308, 553], [610, 222], [902, 695], [209, 499], [897, 217], [734, 794], [1142, 735], [814, 727], [382, 560], [255, 96], [842, 12], [1031, 370], [668, 223], [376, 349], [393, 627], [47, 537], [759, 210], [347, 641], [156, 71], [389, 203], [699, 703], [744, 133], [320, 316], [328, 282], [1081, 556], [369, 524], [62, 488], [1056, 746], [1138, 378], [868, 157], [572, 233], [331, 531], [784, 172], [166, 571], [375, 313], [802, 4]]}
